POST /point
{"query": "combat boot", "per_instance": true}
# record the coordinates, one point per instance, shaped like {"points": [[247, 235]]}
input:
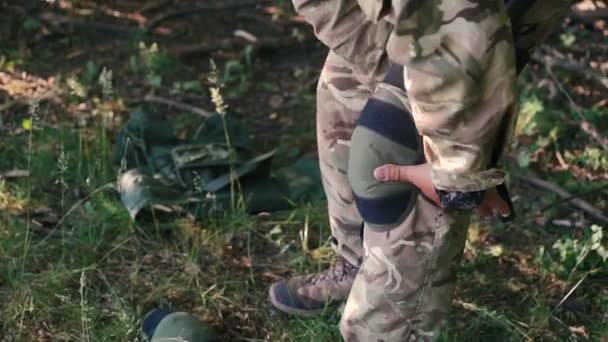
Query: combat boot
{"points": [[313, 294]]}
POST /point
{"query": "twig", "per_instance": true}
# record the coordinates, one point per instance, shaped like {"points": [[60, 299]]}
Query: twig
{"points": [[585, 125], [178, 105], [15, 173], [154, 6], [567, 223], [568, 199], [8, 105], [573, 67], [192, 11], [576, 202], [567, 295], [74, 207], [61, 24], [590, 16], [232, 44], [485, 313], [561, 160]]}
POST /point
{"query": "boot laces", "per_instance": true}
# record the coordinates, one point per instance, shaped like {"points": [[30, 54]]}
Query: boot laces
{"points": [[335, 273]]}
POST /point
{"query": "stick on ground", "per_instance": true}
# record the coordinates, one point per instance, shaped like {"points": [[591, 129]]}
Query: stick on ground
{"points": [[155, 22], [178, 105], [575, 202]]}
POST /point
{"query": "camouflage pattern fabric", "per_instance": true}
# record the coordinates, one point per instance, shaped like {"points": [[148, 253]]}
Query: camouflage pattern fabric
{"points": [[158, 170], [460, 71], [404, 288], [340, 99], [408, 272], [474, 89]]}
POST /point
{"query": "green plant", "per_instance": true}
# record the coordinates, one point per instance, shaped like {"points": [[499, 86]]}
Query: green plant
{"points": [[31, 24], [154, 62], [567, 39], [7, 63], [81, 85], [34, 112], [221, 107], [588, 252], [531, 105], [592, 157], [237, 73], [179, 87]]}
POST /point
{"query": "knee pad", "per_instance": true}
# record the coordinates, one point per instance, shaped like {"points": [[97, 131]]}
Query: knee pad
{"points": [[385, 134]]}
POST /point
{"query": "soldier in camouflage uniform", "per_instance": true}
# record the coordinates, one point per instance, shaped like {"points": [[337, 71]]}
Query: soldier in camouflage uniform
{"points": [[415, 108]]}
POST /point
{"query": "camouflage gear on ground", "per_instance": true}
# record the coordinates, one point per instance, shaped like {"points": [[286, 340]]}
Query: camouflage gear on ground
{"points": [[157, 169], [459, 73], [314, 293]]}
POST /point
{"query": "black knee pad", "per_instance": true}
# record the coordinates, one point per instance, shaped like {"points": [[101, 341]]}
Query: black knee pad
{"points": [[386, 134]]}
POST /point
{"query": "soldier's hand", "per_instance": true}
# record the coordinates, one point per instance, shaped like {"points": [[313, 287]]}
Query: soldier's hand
{"points": [[420, 176]]}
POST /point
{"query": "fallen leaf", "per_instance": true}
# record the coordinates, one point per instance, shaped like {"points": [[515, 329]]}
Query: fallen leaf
{"points": [[276, 101], [27, 124], [496, 250]]}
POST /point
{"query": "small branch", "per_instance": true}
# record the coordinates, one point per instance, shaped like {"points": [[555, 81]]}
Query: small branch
{"points": [[590, 16], [153, 6], [568, 199], [8, 105], [63, 24], [558, 63], [178, 105], [155, 22], [567, 223], [579, 69], [73, 208], [585, 125], [15, 173], [232, 44], [575, 202]]}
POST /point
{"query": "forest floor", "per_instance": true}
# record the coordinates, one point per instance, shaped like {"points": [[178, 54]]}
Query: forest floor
{"points": [[74, 266]]}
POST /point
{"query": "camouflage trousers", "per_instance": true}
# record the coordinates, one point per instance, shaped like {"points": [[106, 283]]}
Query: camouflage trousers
{"points": [[407, 273]]}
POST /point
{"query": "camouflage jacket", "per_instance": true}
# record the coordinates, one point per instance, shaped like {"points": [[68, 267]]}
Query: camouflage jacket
{"points": [[460, 64]]}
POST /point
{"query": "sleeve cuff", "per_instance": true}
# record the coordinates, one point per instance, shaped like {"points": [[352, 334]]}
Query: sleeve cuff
{"points": [[460, 200], [467, 182]]}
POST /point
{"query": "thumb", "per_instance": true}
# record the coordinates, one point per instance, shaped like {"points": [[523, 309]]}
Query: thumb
{"points": [[391, 173]]}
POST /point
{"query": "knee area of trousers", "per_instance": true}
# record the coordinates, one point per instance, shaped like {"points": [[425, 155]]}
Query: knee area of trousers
{"points": [[385, 135]]}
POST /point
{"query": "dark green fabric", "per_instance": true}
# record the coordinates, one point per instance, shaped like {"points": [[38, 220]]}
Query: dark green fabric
{"points": [[156, 169]]}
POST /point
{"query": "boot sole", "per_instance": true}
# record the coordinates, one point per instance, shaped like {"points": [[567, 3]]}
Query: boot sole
{"points": [[298, 312]]}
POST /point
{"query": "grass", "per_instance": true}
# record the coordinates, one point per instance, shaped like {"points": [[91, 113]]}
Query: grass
{"points": [[75, 267], [92, 275]]}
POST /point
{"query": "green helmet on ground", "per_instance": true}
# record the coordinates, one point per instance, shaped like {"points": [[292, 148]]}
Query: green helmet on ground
{"points": [[162, 325]]}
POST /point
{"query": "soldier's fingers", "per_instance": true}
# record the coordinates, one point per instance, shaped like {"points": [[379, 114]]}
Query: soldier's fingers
{"points": [[391, 173]]}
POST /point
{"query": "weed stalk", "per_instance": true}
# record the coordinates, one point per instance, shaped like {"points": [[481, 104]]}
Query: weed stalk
{"points": [[33, 111]]}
